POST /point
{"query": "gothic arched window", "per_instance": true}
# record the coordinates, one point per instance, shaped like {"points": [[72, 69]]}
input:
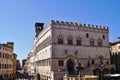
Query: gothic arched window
{"points": [[60, 39], [99, 42], [78, 41], [103, 36], [87, 35], [100, 59], [70, 40], [92, 42]]}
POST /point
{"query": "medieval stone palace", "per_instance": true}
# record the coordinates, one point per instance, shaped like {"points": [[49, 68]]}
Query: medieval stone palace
{"points": [[69, 48]]}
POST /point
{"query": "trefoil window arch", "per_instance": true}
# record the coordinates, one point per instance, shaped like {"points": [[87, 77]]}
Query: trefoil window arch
{"points": [[99, 42], [60, 39], [70, 40], [78, 41], [92, 42]]}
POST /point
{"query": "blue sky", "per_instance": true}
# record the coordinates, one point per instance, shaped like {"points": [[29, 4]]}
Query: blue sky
{"points": [[17, 18]]}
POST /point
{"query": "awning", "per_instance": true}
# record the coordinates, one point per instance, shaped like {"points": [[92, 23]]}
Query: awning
{"points": [[111, 75]]}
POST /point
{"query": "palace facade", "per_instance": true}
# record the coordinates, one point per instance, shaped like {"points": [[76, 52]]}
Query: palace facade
{"points": [[7, 61], [69, 48], [115, 54]]}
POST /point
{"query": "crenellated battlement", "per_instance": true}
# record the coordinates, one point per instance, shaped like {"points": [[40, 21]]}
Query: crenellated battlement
{"points": [[78, 24]]}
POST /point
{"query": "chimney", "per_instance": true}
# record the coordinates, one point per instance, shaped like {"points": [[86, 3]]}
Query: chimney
{"points": [[38, 28]]}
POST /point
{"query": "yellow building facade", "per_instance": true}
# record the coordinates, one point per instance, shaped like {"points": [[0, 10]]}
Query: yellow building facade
{"points": [[7, 61], [115, 54]]}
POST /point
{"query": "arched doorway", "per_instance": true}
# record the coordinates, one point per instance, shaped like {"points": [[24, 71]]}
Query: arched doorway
{"points": [[112, 71], [97, 72], [105, 71], [70, 66], [38, 76]]}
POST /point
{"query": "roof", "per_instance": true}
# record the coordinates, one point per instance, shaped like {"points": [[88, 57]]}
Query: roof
{"points": [[115, 42]]}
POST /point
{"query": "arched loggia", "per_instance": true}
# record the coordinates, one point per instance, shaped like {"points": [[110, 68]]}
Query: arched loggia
{"points": [[71, 66]]}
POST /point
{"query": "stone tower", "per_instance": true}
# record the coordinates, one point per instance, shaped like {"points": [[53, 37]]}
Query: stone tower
{"points": [[38, 28]]}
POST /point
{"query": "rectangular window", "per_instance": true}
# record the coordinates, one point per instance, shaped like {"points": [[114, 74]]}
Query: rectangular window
{"points": [[5, 66], [0, 54], [0, 66], [61, 62], [3, 55], [93, 62]]}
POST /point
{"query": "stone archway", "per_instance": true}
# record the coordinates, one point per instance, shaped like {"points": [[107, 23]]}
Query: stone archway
{"points": [[105, 71], [38, 76], [112, 70], [71, 66], [97, 72]]}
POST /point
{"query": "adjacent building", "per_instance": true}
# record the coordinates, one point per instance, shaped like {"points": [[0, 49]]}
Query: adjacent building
{"points": [[23, 63], [69, 48], [115, 54], [29, 68], [18, 65], [7, 60], [14, 63]]}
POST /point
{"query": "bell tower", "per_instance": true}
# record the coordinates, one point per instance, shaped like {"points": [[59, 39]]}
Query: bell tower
{"points": [[38, 28]]}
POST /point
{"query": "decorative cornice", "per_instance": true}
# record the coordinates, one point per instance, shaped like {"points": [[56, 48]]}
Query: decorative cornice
{"points": [[77, 24]]}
